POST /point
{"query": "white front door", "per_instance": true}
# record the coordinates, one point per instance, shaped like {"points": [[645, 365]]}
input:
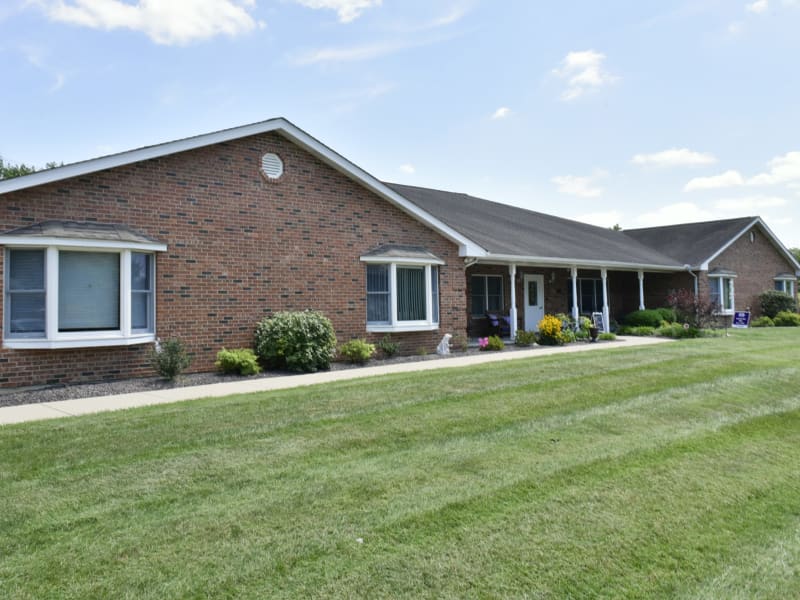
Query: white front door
{"points": [[534, 301]]}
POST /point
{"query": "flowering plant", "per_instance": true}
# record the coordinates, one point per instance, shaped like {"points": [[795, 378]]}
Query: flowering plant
{"points": [[483, 343]]}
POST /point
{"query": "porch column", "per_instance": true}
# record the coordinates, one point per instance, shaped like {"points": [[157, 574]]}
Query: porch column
{"points": [[641, 290], [574, 274], [604, 276], [512, 313]]}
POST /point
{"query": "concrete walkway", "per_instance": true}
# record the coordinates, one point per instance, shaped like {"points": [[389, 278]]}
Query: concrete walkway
{"points": [[85, 406]]}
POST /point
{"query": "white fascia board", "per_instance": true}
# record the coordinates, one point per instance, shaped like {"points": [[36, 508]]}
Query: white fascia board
{"points": [[774, 239], [466, 246], [382, 260], [571, 262], [40, 242]]}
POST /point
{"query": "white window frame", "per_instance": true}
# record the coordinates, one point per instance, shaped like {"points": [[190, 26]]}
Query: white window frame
{"points": [[395, 325], [486, 277], [53, 338], [719, 281], [784, 283]]}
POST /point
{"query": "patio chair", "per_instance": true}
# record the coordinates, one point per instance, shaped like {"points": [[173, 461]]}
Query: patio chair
{"points": [[499, 324]]}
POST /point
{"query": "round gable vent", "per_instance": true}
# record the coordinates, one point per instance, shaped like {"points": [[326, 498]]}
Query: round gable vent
{"points": [[272, 166]]}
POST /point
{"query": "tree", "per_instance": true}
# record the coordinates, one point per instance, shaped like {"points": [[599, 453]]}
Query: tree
{"points": [[8, 170], [796, 253], [616, 227]]}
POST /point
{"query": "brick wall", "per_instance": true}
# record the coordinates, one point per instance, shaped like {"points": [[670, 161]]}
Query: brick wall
{"points": [[239, 248], [755, 263]]}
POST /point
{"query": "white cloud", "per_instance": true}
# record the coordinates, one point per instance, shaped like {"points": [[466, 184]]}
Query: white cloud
{"points": [[408, 168], [782, 169], [749, 203], [583, 187], [601, 219], [735, 28], [173, 22], [347, 10], [349, 54], [758, 7], [583, 72], [672, 214], [675, 157], [726, 179], [501, 113]]}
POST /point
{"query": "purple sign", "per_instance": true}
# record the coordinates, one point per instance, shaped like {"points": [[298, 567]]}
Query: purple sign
{"points": [[741, 320]]}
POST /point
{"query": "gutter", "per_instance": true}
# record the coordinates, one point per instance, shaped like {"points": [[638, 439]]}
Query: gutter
{"points": [[689, 270]]}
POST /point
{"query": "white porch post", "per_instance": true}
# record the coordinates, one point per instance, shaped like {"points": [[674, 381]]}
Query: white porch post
{"points": [[574, 274], [604, 275], [512, 313], [641, 290]]}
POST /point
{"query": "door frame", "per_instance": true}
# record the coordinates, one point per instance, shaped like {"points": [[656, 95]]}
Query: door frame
{"points": [[525, 278]]}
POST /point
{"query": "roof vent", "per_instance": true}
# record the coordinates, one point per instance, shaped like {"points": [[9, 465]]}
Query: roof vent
{"points": [[271, 166]]}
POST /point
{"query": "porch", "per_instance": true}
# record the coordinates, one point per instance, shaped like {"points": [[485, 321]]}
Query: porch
{"points": [[524, 293]]}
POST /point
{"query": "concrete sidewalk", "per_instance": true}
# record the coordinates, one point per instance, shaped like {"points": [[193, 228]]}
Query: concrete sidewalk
{"points": [[85, 406]]}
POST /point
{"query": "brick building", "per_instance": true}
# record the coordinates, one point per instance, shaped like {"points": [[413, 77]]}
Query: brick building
{"points": [[201, 238]]}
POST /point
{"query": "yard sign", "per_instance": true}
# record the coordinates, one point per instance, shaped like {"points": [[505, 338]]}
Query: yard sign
{"points": [[741, 319]]}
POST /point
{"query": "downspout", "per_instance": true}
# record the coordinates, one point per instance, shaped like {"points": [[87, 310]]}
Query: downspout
{"points": [[689, 270]]}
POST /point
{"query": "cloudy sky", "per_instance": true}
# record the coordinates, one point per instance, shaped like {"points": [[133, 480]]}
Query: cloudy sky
{"points": [[623, 111]]}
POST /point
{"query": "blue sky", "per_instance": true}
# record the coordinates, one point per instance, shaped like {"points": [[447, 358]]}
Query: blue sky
{"points": [[632, 112]]}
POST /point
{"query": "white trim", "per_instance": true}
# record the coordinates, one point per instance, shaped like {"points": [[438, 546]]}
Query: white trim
{"points": [[512, 310], [41, 242], [545, 261], [385, 260], [394, 324], [280, 125], [732, 299], [641, 290], [406, 326], [704, 266], [112, 339]]}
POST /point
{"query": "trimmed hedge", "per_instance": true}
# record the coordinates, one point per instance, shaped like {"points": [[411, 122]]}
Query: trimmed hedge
{"points": [[650, 317], [297, 341], [774, 302]]}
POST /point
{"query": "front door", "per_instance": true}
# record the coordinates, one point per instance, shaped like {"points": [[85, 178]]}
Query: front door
{"points": [[534, 301]]}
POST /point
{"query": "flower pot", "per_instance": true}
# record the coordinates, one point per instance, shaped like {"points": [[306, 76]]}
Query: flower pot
{"points": [[593, 331]]}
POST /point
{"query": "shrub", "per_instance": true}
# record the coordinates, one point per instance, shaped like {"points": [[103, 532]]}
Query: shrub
{"points": [[642, 331], [763, 321], [525, 338], [645, 318], [678, 331], [550, 331], [581, 334], [388, 347], [697, 312], [169, 358], [607, 336], [240, 360], [787, 319], [667, 314], [495, 343], [773, 302], [297, 341], [460, 342], [357, 351]]}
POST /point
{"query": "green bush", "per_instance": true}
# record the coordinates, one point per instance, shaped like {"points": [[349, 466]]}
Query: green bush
{"points": [[297, 341], [169, 358], [495, 343], [239, 360], [667, 314], [642, 331], [678, 331], [357, 351], [787, 319], [774, 302], [525, 338], [763, 321], [646, 318], [607, 336], [388, 347], [581, 334]]}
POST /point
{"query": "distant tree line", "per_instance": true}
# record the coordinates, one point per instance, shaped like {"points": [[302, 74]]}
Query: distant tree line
{"points": [[10, 170]]}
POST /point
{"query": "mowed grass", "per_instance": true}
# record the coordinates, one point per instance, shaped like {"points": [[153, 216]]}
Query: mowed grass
{"points": [[666, 471]]}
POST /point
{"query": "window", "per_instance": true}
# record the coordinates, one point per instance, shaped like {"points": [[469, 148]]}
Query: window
{"points": [[67, 298], [402, 297], [785, 285], [721, 293], [590, 295], [487, 294]]}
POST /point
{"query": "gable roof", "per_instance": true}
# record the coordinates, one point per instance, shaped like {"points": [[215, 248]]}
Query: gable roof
{"points": [[697, 244], [278, 125], [513, 233]]}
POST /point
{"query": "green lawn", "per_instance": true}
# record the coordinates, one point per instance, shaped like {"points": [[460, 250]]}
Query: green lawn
{"points": [[665, 471]]}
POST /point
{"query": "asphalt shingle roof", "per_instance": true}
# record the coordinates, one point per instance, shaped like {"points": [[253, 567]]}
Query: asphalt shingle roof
{"points": [[510, 230], [79, 230], [691, 243]]}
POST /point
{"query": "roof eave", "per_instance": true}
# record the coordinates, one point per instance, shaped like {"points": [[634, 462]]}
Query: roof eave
{"points": [[704, 266], [549, 261]]}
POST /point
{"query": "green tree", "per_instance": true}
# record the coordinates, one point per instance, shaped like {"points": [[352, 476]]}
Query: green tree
{"points": [[796, 252], [8, 170]]}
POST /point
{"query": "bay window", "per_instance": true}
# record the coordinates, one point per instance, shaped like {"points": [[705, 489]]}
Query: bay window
{"points": [[402, 297], [721, 293], [70, 297], [785, 284]]}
